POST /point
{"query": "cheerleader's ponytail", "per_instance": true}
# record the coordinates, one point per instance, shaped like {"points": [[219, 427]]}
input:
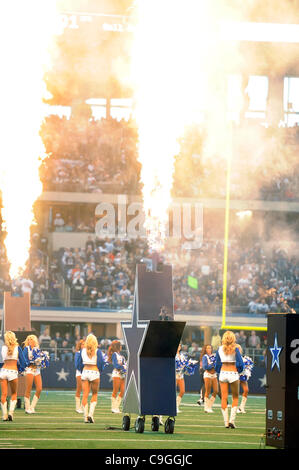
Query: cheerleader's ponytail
{"points": [[11, 341], [91, 345]]}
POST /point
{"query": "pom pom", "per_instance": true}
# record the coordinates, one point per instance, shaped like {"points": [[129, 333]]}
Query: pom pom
{"points": [[105, 358], [184, 365], [40, 358]]}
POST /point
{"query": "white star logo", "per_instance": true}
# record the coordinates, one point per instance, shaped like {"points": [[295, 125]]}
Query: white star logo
{"points": [[110, 376], [62, 375], [263, 381]]}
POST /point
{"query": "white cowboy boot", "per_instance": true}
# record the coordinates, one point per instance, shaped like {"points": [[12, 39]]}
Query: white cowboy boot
{"points": [[225, 417], [178, 402], [92, 406], [232, 418], [78, 405], [206, 404], [118, 402], [12, 406], [33, 404], [211, 402], [241, 408], [27, 405], [114, 405], [4, 411], [85, 411]]}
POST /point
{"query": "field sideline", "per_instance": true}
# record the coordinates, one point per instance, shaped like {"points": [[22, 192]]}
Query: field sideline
{"points": [[56, 425]]}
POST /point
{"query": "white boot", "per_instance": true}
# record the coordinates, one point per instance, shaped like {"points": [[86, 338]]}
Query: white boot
{"points": [[33, 404], [85, 411], [118, 402], [78, 406], [232, 418], [4, 411], [12, 406], [211, 402], [178, 402], [206, 404], [92, 406], [241, 408], [161, 420], [27, 405], [114, 405], [225, 417]]}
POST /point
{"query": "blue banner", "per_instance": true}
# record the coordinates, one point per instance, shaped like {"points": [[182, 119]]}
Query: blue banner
{"points": [[62, 374], [256, 382]]}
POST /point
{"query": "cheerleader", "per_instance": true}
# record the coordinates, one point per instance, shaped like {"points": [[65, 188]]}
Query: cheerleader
{"points": [[90, 363], [244, 377], [229, 365], [79, 408], [183, 366], [14, 363], [37, 360], [118, 374], [209, 376]]}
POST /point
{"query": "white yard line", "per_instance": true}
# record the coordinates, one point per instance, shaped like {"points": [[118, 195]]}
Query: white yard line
{"points": [[103, 430], [126, 440]]}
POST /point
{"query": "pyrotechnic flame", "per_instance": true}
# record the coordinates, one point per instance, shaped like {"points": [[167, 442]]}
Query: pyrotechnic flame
{"points": [[26, 30], [167, 63]]}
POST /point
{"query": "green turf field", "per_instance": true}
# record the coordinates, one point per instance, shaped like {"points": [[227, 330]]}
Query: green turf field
{"points": [[56, 425]]}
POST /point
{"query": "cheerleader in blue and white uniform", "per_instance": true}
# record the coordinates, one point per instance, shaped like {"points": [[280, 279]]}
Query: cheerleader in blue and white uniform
{"points": [[13, 364], [37, 360], [184, 366], [118, 374], [229, 364], [209, 376], [244, 377], [90, 363]]}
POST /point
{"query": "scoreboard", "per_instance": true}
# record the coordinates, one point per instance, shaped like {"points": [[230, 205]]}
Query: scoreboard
{"points": [[98, 21]]}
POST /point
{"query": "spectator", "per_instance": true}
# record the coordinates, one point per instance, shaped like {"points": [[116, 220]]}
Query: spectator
{"points": [[45, 338], [241, 339], [58, 223], [254, 341], [66, 348], [58, 339]]}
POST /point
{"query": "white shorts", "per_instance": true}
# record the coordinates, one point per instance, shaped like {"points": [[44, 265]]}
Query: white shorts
{"points": [[8, 374], [117, 373], [208, 375], [30, 370], [228, 376], [90, 375], [78, 373], [179, 376]]}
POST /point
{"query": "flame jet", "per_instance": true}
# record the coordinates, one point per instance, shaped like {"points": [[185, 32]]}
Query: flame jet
{"points": [[167, 65], [26, 30]]}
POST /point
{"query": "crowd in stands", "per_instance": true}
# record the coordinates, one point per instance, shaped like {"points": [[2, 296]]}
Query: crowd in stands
{"points": [[89, 155], [101, 275], [257, 282], [71, 223]]}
